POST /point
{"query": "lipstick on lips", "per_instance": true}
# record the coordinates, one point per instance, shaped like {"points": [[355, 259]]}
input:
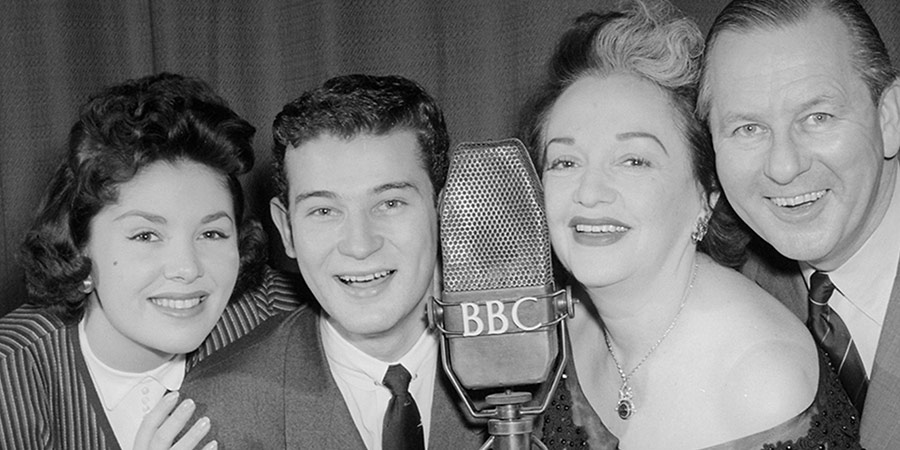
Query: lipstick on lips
{"points": [[798, 200], [597, 232], [179, 300]]}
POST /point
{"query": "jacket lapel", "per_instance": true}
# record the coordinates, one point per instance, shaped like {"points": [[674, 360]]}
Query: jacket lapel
{"points": [[881, 419], [451, 425], [315, 413], [779, 276]]}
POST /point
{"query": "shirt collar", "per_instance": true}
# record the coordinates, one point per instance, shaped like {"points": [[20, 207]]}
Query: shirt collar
{"points": [[113, 385], [367, 372], [873, 267]]}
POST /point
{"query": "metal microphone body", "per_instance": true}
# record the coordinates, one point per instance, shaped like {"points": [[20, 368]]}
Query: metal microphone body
{"points": [[501, 320], [497, 304]]}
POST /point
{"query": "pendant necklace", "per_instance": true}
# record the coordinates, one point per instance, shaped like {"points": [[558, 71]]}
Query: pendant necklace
{"points": [[625, 408]]}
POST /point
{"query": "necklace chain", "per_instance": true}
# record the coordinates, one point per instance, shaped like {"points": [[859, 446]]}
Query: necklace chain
{"points": [[625, 407]]}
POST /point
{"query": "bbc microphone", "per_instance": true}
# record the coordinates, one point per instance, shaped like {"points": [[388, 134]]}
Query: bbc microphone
{"points": [[500, 315]]}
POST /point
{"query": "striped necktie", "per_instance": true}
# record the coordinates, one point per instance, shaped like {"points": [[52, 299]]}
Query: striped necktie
{"points": [[832, 335]]}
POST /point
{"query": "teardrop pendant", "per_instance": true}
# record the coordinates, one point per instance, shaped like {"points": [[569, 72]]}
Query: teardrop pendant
{"points": [[625, 408]]}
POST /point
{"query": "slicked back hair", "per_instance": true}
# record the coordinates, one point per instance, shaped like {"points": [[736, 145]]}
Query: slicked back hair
{"points": [[869, 55]]}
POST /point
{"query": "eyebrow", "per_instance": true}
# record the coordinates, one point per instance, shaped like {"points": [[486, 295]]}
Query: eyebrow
{"points": [[559, 140], [156, 218], [620, 136], [396, 185], [216, 216], [376, 190], [818, 100], [642, 135], [313, 194], [730, 119]]}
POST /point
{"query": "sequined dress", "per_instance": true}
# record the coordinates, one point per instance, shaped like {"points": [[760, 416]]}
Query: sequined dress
{"points": [[830, 422]]}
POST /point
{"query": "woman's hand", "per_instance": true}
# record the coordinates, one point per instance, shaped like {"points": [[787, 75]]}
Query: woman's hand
{"points": [[161, 426]]}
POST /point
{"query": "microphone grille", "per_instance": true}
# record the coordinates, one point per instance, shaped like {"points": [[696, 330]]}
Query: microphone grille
{"points": [[493, 227]]}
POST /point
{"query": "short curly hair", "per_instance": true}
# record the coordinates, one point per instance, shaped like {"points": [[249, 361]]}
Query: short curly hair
{"points": [[123, 129], [657, 44], [349, 105]]}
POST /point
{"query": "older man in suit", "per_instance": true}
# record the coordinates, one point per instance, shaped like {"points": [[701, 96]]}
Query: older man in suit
{"points": [[804, 111], [360, 161]]}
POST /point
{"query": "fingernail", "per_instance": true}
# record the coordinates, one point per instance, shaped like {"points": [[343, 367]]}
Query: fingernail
{"points": [[203, 423], [214, 445], [171, 397], [185, 405]]}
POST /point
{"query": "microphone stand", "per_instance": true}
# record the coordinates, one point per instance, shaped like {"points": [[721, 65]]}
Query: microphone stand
{"points": [[510, 424], [510, 429]]}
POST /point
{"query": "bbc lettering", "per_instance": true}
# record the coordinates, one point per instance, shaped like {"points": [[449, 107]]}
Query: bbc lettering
{"points": [[497, 322]]}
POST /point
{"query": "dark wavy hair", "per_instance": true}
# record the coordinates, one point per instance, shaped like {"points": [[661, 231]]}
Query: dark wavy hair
{"points": [[350, 105], [659, 45], [120, 131]]}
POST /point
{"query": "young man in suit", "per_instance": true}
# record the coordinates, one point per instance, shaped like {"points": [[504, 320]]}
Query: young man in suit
{"points": [[360, 162], [804, 111]]}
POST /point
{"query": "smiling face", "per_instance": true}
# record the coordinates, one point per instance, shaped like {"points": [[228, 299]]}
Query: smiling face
{"points": [[621, 198], [362, 225], [799, 143], [164, 262]]}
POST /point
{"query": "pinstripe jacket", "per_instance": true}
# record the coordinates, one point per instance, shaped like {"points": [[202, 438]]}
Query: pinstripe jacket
{"points": [[47, 398]]}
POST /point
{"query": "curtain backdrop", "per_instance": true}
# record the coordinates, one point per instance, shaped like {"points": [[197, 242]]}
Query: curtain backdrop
{"points": [[480, 59]]}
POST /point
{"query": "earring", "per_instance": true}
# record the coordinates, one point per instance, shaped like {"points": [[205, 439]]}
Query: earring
{"points": [[700, 229], [87, 285]]}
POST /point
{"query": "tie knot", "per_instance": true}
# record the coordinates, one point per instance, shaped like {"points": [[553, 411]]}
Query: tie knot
{"points": [[397, 379], [820, 288]]}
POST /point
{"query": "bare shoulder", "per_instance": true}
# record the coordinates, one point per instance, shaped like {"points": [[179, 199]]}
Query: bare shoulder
{"points": [[768, 384], [737, 303], [769, 362]]}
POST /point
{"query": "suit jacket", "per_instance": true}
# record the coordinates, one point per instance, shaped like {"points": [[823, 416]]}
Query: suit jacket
{"points": [[47, 397], [881, 418], [274, 389]]}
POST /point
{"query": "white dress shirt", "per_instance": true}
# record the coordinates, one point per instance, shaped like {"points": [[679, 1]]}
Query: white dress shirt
{"points": [[127, 396], [359, 378], [863, 284]]}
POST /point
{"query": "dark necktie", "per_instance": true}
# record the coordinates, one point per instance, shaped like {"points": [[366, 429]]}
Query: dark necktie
{"points": [[833, 336], [402, 423]]}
